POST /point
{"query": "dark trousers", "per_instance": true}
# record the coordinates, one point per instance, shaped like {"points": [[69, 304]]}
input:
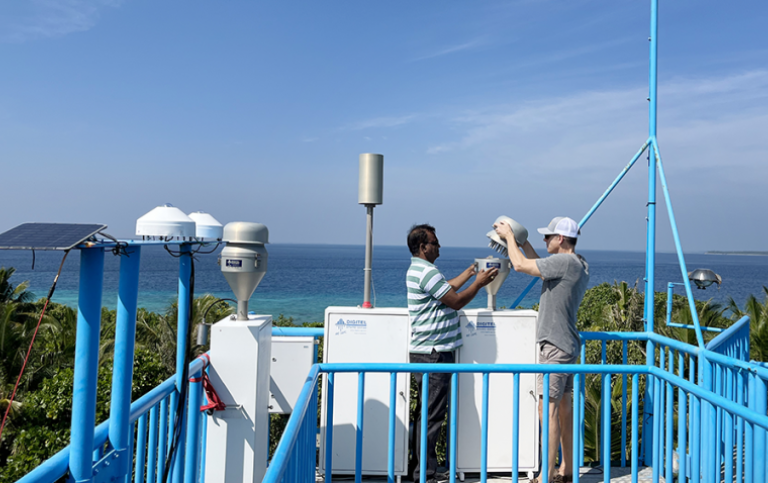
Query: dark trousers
{"points": [[437, 406]]}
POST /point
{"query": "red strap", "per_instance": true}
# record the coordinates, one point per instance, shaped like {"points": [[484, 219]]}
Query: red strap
{"points": [[214, 402]]}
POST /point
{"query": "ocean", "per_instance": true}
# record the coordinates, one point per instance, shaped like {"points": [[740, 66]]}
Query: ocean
{"points": [[302, 280]]}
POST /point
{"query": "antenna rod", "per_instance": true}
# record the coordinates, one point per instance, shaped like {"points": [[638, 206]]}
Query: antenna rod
{"points": [[368, 258]]}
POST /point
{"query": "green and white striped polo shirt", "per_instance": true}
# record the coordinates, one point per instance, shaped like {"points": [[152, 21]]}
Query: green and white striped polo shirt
{"points": [[434, 325]]}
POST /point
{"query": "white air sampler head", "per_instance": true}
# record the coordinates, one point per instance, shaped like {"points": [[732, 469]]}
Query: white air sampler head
{"points": [[521, 235], [207, 227], [502, 264], [244, 260], [166, 221]]}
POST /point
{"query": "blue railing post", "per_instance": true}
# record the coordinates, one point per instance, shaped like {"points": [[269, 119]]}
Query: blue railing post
{"points": [[125, 341], [162, 442], [635, 428], [423, 434], [761, 407], [545, 428], [669, 416], [484, 432], [391, 428], [141, 450], [605, 403], [709, 424], [86, 363], [194, 421], [359, 428], [328, 394], [682, 419], [152, 446], [576, 428], [452, 428], [739, 427], [624, 358], [182, 340], [606, 427]]}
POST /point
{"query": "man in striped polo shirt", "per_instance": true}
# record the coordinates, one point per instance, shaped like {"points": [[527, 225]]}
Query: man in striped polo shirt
{"points": [[435, 332]]}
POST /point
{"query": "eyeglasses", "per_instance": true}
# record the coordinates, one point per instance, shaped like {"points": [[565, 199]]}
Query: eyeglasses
{"points": [[435, 243]]}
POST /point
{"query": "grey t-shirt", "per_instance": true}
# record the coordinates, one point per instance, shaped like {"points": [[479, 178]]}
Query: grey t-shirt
{"points": [[565, 278]]}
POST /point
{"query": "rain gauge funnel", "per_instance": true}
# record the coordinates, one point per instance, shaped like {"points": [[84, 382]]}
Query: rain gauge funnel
{"points": [[493, 288], [244, 260]]}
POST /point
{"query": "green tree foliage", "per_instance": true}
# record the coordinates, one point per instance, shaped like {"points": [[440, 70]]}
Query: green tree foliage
{"points": [[758, 323], [42, 426]]}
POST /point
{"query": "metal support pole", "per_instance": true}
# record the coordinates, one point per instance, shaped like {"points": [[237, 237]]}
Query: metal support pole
{"points": [[125, 341], [650, 250], [670, 289], [86, 364], [368, 258], [182, 339]]}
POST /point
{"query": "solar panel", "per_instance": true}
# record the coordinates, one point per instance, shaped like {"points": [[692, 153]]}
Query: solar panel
{"points": [[47, 236]]}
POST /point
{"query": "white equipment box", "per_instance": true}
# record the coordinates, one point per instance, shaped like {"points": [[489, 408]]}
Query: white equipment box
{"points": [[498, 337], [383, 335], [292, 357], [237, 437], [366, 335]]}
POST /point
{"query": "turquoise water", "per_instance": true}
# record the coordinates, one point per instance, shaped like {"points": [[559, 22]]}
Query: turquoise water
{"points": [[304, 279]]}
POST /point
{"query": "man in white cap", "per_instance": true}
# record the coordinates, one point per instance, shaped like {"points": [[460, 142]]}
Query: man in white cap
{"points": [[565, 276]]}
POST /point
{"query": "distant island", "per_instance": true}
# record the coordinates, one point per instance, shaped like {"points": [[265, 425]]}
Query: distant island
{"points": [[748, 254]]}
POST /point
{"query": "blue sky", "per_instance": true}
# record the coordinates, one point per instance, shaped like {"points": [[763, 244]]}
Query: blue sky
{"points": [[257, 111]]}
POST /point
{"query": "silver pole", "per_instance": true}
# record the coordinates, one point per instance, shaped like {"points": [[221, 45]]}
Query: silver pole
{"points": [[368, 258], [491, 301], [242, 310]]}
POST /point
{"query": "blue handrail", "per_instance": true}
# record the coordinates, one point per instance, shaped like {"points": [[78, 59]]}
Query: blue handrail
{"points": [[728, 403], [57, 466]]}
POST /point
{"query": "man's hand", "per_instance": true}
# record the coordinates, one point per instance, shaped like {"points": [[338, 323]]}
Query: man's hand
{"points": [[486, 276], [505, 232], [459, 281], [457, 300], [470, 271]]}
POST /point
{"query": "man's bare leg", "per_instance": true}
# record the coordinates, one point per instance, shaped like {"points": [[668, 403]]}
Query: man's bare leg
{"points": [[566, 433], [554, 434]]}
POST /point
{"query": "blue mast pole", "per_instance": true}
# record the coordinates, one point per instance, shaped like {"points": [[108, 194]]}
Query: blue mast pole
{"points": [[86, 364], [182, 339], [125, 341], [650, 250]]}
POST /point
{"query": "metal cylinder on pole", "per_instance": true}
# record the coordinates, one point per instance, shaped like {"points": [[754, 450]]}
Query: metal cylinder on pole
{"points": [[370, 194]]}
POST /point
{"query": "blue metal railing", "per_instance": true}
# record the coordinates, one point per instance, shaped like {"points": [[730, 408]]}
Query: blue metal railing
{"points": [[151, 429], [680, 402], [154, 402]]}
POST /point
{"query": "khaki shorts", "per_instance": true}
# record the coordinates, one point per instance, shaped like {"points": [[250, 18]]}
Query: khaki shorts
{"points": [[559, 384]]}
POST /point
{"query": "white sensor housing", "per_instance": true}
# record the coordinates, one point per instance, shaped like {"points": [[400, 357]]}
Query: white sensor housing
{"points": [[166, 221], [207, 227]]}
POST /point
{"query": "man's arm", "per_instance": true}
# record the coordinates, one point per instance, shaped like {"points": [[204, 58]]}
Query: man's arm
{"points": [[529, 251], [457, 300], [459, 281], [519, 262]]}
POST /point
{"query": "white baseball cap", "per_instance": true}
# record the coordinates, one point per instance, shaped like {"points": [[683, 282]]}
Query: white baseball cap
{"points": [[561, 225]]}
